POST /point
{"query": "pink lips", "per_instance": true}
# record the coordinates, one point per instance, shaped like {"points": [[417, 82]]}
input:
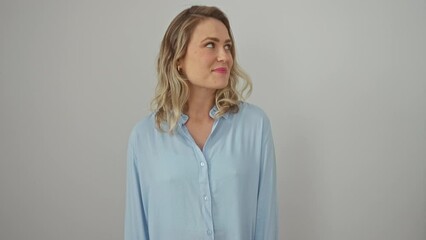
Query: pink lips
{"points": [[221, 70]]}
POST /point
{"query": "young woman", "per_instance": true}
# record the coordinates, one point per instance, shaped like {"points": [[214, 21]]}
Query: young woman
{"points": [[202, 165]]}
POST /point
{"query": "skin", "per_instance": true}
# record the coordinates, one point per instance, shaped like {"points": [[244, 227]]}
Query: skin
{"points": [[208, 49]]}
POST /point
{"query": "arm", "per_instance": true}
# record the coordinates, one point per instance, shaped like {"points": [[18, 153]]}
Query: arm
{"points": [[135, 227], [267, 209]]}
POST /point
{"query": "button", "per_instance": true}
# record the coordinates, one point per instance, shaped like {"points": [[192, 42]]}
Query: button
{"points": [[209, 232], [206, 198], [202, 164]]}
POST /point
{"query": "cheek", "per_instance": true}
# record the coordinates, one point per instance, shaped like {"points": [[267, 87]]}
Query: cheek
{"points": [[200, 58], [208, 58], [230, 59]]}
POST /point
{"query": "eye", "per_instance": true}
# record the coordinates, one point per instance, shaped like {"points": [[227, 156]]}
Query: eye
{"points": [[228, 46], [210, 45]]}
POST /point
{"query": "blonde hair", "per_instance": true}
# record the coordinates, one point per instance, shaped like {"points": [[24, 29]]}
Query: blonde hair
{"points": [[172, 90]]}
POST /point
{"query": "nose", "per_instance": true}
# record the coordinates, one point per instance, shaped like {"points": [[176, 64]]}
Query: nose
{"points": [[223, 55]]}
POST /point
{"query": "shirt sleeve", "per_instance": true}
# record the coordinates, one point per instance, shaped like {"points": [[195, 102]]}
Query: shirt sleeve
{"points": [[135, 227], [267, 209]]}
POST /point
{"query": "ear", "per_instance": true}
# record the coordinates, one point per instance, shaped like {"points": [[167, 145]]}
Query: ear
{"points": [[179, 66]]}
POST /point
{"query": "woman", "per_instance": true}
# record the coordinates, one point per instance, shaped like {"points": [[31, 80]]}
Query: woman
{"points": [[202, 165]]}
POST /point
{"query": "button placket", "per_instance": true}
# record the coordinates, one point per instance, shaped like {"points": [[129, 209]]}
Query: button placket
{"points": [[205, 191], [204, 179]]}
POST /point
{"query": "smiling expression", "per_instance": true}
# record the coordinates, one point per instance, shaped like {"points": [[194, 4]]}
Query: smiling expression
{"points": [[208, 60]]}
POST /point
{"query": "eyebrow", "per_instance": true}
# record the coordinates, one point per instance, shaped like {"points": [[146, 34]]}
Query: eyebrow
{"points": [[216, 39]]}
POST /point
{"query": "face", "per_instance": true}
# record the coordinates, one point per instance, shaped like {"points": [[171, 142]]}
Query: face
{"points": [[208, 59]]}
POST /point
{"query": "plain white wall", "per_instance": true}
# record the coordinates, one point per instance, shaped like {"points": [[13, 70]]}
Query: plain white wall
{"points": [[344, 83]]}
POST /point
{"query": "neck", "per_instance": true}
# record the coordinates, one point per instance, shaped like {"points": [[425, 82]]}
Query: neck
{"points": [[200, 103]]}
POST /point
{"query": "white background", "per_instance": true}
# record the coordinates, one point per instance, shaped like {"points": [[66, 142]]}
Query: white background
{"points": [[343, 82]]}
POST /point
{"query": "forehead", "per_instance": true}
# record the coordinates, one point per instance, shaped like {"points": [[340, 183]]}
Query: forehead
{"points": [[210, 27]]}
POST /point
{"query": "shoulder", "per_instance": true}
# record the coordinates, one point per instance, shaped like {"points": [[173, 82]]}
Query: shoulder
{"points": [[250, 118], [144, 128], [249, 111]]}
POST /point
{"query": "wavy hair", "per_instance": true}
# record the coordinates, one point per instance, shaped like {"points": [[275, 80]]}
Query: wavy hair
{"points": [[172, 91]]}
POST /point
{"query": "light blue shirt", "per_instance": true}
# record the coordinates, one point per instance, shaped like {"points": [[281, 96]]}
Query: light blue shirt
{"points": [[226, 191]]}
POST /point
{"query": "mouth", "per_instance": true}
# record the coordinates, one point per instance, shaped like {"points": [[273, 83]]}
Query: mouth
{"points": [[221, 70]]}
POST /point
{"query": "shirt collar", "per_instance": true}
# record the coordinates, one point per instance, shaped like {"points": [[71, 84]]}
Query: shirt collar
{"points": [[184, 118]]}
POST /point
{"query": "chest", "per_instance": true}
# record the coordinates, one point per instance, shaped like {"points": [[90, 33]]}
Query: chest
{"points": [[227, 157]]}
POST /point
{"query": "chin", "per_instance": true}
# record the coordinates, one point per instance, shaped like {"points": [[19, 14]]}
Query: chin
{"points": [[221, 86]]}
